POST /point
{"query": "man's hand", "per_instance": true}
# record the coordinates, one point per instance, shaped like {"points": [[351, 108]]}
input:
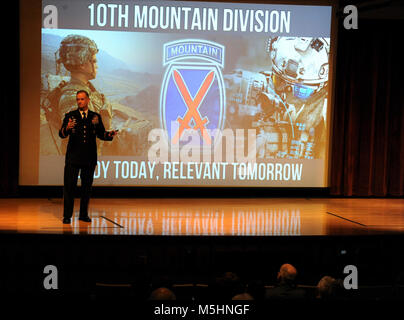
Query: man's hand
{"points": [[113, 133], [71, 124]]}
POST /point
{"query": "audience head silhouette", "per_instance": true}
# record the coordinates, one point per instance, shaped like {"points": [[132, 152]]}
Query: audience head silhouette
{"points": [[243, 296], [287, 273], [328, 288], [286, 287], [162, 294]]}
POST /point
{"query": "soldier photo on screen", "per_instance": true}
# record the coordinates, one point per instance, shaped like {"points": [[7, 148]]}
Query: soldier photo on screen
{"points": [[77, 56], [287, 104]]}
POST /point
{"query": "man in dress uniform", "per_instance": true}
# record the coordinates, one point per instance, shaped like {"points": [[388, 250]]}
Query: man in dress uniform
{"points": [[82, 126]]}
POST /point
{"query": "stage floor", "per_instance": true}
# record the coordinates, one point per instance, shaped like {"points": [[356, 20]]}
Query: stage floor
{"points": [[209, 217]]}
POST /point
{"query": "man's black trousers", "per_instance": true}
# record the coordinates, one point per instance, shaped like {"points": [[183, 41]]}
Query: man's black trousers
{"points": [[70, 183]]}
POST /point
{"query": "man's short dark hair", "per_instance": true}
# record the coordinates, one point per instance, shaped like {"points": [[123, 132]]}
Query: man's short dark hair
{"points": [[83, 91]]}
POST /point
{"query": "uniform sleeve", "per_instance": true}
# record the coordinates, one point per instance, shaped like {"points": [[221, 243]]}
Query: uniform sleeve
{"points": [[101, 132], [63, 132]]}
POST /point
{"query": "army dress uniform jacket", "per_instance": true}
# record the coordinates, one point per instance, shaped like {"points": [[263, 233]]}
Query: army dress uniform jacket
{"points": [[82, 145]]}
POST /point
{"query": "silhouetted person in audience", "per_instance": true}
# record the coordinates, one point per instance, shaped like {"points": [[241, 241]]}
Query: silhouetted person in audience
{"points": [[227, 286], [286, 287], [256, 289], [329, 288], [243, 296], [162, 294]]}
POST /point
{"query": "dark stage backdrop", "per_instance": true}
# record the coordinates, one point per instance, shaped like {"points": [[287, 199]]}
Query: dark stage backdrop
{"points": [[9, 109], [368, 126], [368, 123]]}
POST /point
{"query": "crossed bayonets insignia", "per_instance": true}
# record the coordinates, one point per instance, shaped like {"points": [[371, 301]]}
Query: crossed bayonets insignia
{"points": [[193, 106]]}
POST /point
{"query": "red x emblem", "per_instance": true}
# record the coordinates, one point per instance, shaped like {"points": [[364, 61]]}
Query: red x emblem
{"points": [[193, 105]]}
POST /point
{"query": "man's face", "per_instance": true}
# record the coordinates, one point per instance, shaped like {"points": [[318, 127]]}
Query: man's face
{"points": [[82, 101]]}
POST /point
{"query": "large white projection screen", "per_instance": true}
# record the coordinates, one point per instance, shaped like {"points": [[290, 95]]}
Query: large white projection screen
{"points": [[202, 93]]}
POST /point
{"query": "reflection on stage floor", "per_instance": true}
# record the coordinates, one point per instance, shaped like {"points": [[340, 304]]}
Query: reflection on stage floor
{"points": [[208, 217]]}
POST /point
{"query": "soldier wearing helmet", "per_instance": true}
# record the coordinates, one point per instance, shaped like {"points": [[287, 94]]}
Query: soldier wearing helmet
{"points": [[295, 100], [76, 56]]}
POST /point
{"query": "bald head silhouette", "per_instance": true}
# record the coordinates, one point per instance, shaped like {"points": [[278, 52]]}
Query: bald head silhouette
{"points": [[243, 296], [162, 294], [287, 273], [286, 287]]}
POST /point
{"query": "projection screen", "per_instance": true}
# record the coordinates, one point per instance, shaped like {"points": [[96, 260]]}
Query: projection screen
{"points": [[202, 93]]}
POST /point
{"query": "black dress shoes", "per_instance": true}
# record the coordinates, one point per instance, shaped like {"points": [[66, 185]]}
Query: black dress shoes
{"points": [[85, 219], [66, 220]]}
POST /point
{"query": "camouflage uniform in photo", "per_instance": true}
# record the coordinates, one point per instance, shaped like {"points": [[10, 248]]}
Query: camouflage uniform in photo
{"points": [[59, 97], [286, 128]]}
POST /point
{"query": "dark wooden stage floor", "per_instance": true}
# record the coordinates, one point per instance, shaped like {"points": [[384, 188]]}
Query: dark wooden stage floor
{"points": [[209, 217]]}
